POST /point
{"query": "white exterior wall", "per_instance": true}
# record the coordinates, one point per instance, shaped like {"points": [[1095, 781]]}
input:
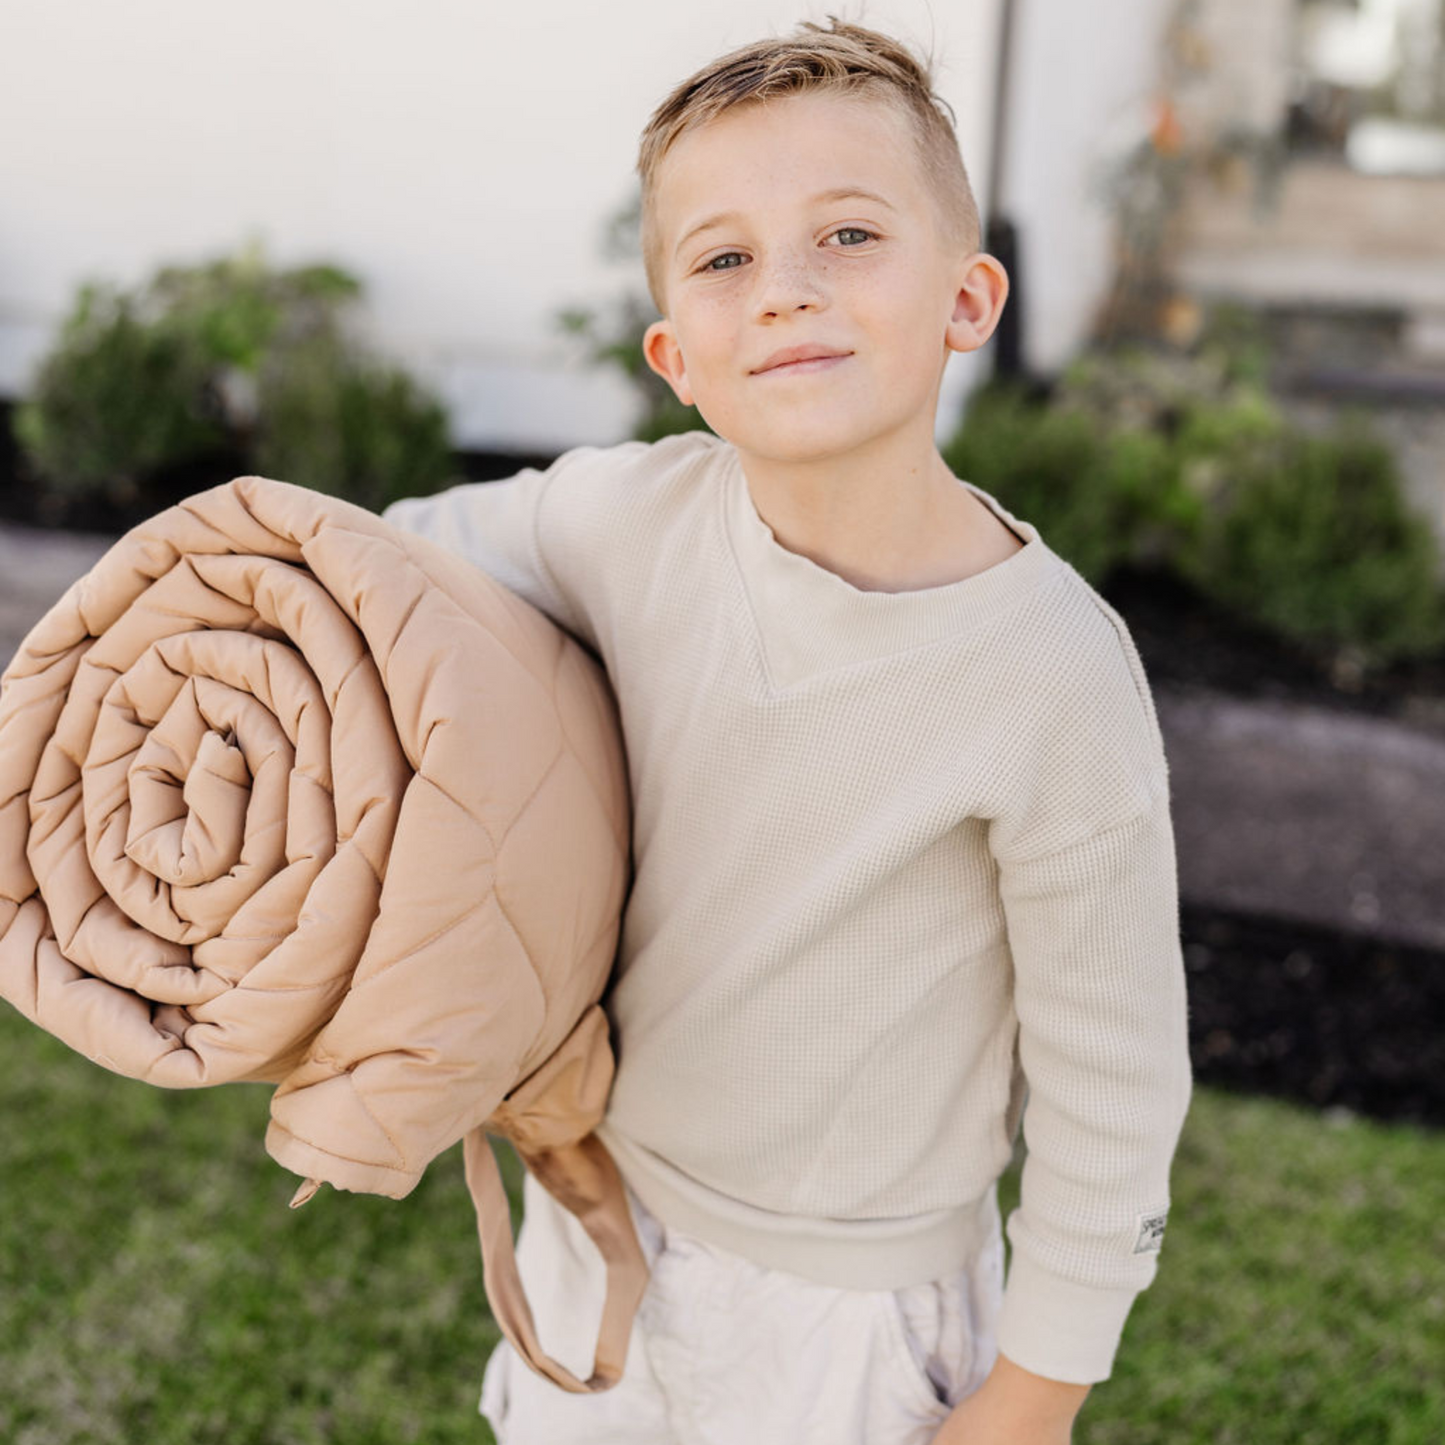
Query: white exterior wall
{"points": [[1084, 77], [461, 157]]}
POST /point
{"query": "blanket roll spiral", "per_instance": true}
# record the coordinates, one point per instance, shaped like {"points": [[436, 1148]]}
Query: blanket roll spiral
{"points": [[289, 795]]}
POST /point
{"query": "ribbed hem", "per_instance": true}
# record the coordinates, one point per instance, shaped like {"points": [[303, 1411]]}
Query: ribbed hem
{"points": [[1060, 1329], [843, 1253], [313, 1163]]}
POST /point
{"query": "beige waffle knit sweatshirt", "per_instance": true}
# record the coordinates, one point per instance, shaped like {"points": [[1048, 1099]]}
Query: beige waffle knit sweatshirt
{"points": [[903, 862]]}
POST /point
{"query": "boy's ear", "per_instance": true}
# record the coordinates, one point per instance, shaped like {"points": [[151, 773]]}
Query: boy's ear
{"points": [[664, 356], [978, 303]]}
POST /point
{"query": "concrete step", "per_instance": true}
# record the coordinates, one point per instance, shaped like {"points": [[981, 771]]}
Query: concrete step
{"points": [[35, 568]]}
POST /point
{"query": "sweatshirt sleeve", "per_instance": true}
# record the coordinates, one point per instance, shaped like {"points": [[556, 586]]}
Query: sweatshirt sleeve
{"points": [[1099, 991], [1103, 1043], [509, 529]]}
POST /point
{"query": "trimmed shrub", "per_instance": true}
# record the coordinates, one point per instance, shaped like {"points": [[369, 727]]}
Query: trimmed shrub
{"points": [[231, 362], [116, 400], [1099, 496], [1189, 466], [354, 429], [1312, 537]]}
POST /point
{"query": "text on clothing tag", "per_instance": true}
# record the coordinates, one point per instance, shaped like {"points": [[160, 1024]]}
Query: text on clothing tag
{"points": [[1151, 1232]]}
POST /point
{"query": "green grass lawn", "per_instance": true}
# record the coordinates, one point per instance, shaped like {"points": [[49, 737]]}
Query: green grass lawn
{"points": [[154, 1287]]}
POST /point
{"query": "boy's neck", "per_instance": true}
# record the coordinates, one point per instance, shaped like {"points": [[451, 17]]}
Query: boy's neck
{"points": [[885, 519]]}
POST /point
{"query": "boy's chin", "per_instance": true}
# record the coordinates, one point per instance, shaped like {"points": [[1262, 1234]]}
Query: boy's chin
{"points": [[801, 447]]}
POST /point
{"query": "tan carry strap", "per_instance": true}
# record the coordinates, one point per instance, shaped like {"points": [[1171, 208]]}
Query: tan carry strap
{"points": [[584, 1180], [548, 1118]]}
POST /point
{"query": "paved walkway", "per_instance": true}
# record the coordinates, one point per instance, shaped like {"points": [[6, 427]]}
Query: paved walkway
{"points": [[1279, 809], [35, 568]]}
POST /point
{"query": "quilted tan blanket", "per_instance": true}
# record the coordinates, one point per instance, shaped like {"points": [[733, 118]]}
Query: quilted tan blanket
{"points": [[289, 795]]}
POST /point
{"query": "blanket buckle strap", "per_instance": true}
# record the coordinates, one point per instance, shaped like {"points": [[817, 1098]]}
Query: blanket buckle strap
{"points": [[548, 1119]]}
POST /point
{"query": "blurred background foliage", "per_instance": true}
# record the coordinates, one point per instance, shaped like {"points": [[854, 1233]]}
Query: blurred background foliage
{"points": [[228, 362], [1180, 460], [611, 335], [613, 338]]}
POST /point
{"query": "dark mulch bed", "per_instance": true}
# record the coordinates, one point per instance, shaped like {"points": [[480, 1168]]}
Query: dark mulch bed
{"points": [[1325, 1018], [1316, 1016], [1187, 641], [1322, 1017]]}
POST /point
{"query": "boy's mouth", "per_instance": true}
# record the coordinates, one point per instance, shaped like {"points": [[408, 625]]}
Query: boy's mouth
{"points": [[812, 357]]}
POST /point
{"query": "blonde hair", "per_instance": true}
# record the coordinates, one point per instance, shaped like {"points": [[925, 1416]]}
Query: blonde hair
{"points": [[843, 59]]}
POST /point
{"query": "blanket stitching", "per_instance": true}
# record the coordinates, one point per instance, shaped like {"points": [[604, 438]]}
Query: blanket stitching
{"points": [[508, 599], [426, 942], [348, 1158], [527, 801], [461, 808], [336, 692], [405, 622], [602, 802]]}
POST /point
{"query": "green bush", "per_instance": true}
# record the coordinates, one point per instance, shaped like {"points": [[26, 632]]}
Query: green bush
{"points": [[1099, 496], [1185, 463], [117, 399], [1312, 537], [1155, 387], [611, 336], [235, 308], [359, 430], [234, 357]]}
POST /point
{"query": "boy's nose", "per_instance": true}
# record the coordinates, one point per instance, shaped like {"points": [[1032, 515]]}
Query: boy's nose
{"points": [[789, 285]]}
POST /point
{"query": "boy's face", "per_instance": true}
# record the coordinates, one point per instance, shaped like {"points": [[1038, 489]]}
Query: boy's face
{"points": [[806, 222]]}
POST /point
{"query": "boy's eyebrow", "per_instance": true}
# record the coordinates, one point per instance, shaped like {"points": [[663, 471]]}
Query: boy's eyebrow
{"points": [[838, 193]]}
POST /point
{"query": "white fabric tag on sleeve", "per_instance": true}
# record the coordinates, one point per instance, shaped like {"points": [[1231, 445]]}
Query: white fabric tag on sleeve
{"points": [[1151, 1232]]}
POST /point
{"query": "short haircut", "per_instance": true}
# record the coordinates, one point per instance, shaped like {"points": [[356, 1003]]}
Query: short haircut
{"points": [[843, 59]]}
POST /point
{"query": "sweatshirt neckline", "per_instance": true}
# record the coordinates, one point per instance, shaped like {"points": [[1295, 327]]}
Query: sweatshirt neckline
{"points": [[810, 620]]}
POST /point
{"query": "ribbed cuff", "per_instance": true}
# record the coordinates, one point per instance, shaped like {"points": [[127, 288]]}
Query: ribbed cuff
{"points": [[1059, 1329]]}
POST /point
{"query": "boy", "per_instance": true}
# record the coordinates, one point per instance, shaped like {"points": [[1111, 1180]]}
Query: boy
{"points": [[902, 840]]}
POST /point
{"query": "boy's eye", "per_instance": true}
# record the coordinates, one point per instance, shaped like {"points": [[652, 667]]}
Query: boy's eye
{"points": [[731, 260]]}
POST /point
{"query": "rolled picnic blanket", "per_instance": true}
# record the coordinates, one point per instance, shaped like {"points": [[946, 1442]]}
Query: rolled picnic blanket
{"points": [[289, 795]]}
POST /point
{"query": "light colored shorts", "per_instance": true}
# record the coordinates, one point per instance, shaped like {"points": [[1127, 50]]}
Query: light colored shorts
{"points": [[725, 1352]]}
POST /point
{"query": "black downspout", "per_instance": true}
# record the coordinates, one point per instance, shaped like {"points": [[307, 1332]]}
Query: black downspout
{"points": [[1000, 234]]}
